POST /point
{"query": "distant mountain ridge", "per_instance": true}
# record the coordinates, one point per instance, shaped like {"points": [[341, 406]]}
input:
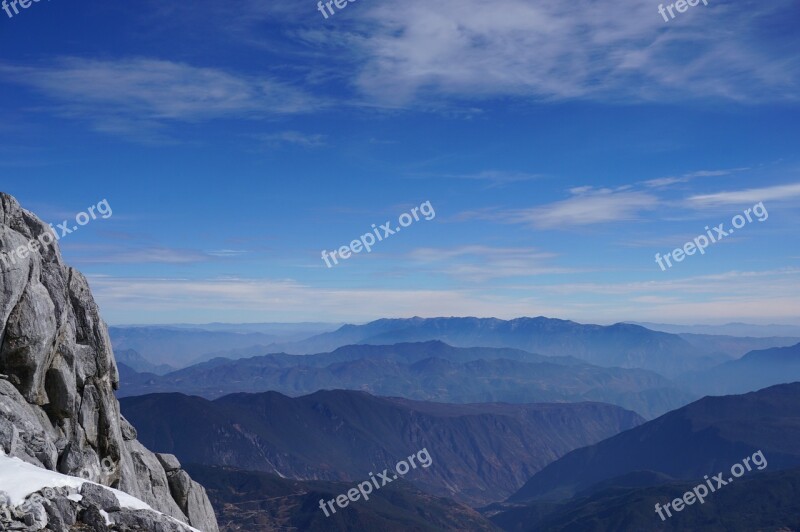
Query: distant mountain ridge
{"points": [[137, 362], [426, 371], [728, 329], [755, 370], [620, 345], [179, 346], [481, 452]]}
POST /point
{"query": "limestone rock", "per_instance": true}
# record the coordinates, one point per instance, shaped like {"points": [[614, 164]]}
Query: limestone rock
{"points": [[169, 461], [57, 380]]}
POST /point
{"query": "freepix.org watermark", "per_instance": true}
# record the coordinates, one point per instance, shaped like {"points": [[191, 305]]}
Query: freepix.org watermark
{"points": [[8, 5], [59, 231], [700, 492], [366, 241], [681, 6], [340, 4], [365, 488], [701, 242]]}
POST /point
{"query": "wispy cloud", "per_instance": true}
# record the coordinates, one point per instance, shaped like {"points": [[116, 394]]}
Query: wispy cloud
{"points": [[732, 296], [480, 263], [135, 94], [295, 138], [552, 50], [155, 255], [587, 206], [238, 299], [493, 177], [664, 182], [750, 195]]}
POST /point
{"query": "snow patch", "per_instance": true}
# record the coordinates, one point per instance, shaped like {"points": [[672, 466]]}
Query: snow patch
{"points": [[20, 479]]}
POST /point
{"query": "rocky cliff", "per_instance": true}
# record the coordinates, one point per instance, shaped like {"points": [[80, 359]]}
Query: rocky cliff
{"points": [[58, 375]]}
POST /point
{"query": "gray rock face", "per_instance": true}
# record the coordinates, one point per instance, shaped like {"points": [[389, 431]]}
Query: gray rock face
{"points": [[58, 375], [95, 510], [169, 461]]}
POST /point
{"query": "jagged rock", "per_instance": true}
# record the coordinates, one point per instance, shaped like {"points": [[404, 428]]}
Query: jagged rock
{"points": [[57, 405], [100, 497], [93, 519], [169, 461], [59, 513], [198, 508], [128, 431], [157, 492], [179, 485]]}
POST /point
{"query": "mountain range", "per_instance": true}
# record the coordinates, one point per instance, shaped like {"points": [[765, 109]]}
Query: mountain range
{"points": [[620, 345], [427, 371], [481, 452]]}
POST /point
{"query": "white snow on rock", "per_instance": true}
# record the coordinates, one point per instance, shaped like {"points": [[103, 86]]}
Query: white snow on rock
{"points": [[20, 479]]}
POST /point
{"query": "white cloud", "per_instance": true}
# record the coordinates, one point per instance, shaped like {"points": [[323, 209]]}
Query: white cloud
{"points": [[664, 182], [296, 138], [150, 300], [756, 297], [553, 49], [157, 255], [480, 263], [750, 195], [586, 207], [127, 95]]}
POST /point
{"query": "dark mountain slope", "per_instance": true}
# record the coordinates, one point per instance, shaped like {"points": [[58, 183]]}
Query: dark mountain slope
{"points": [[702, 438], [481, 453], [767, 501], [253, 501]]}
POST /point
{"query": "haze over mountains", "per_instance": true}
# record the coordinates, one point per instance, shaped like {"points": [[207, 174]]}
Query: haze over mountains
{"points": [[728, 329], [430, 371], [619, 345], [755, 370], [447, 376]]}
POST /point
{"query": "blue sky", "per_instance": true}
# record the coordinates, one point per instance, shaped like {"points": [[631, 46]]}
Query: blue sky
{"points": [[561, 144]]}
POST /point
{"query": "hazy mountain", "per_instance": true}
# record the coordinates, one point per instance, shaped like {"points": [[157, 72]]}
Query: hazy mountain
{"points": [[702, 438], [728, 329], [283, 331], [755, 370], [137, 362], [757, 501], [736, 346], [248, 500], [428, 371], [407, 352], [481, 453], [180, 347], [620, 345]]}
